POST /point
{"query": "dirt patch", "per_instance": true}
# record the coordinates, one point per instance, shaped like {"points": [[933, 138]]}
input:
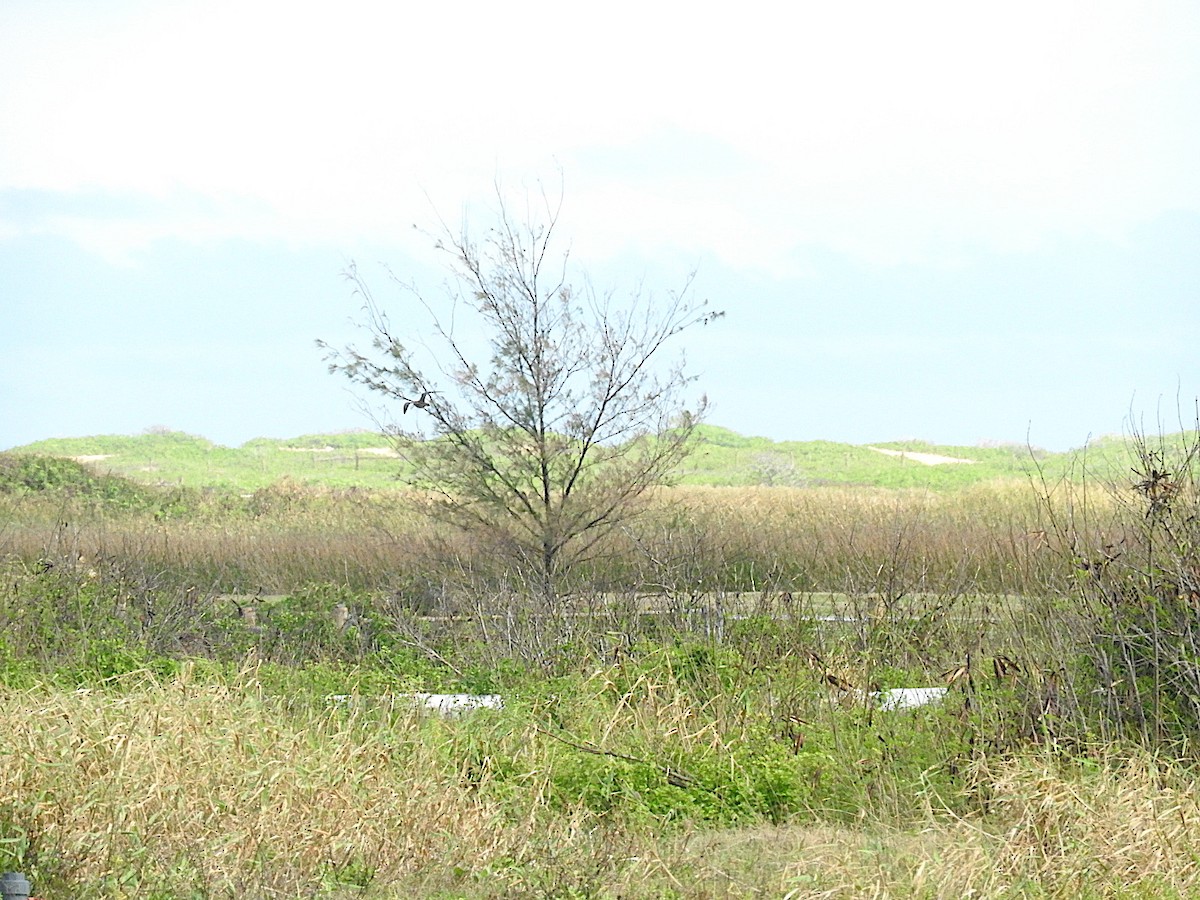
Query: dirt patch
{"points": [[95, 457], [927, 459]]}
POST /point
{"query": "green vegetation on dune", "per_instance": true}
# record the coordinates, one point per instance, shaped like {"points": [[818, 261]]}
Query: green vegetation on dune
{"points": [[26, 474], [724, 458], [361, 439], [721, 458], [175, 458]]}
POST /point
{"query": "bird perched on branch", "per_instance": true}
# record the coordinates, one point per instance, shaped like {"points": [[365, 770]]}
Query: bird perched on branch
{"points": [[420, 403]]}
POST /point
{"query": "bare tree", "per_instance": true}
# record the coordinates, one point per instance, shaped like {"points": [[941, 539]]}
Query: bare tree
{"points": [[549, 443]]}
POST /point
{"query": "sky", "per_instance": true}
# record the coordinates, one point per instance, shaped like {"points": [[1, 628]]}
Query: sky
{"points": [[949, 221]]}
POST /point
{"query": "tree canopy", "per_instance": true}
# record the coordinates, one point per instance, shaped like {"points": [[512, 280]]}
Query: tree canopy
{"points": [[544, 442]]}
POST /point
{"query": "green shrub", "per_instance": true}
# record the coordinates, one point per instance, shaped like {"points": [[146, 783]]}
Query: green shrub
{"points": [[22, 473]]}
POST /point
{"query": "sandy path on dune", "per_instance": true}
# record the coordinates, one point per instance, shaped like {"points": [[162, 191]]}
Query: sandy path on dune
{"points": [[928, 459]]}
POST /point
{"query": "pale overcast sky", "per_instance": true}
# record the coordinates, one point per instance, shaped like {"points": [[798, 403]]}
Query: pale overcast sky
{"points": [[945, 220]]}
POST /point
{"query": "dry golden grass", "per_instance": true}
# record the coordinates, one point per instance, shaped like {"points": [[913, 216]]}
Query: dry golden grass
{"points": [[191, 789], [1132, 824], [191, 784]]}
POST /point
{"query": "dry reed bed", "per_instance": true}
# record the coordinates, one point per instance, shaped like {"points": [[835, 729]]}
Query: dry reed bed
{"points": [[984, 538]]}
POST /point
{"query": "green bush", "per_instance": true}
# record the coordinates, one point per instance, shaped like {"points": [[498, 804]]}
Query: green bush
{"points": [[27, 473]]}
